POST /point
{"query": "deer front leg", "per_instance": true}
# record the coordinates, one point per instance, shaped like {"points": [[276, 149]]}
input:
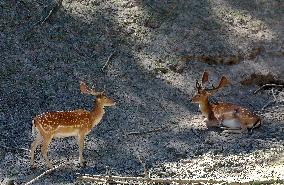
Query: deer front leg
{"points": [[81, 138], [44, 149], [34, 145]]}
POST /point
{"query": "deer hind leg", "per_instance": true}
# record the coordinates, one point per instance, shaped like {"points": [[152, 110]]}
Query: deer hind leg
{"points": [[81, 138], [44, 149], [34, 145]]}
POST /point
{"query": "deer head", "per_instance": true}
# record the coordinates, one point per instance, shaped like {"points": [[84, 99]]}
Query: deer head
{"points": [[101, 96], [203, 93]]}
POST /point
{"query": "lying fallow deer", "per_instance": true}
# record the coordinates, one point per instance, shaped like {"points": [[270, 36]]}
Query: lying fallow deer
{"points": [[228, 115], [72, 123]]}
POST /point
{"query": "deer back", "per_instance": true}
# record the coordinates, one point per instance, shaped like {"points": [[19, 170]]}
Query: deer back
{"points": [[50, 122]]}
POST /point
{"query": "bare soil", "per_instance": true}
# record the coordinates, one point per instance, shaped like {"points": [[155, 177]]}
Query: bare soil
{"points": [[47, 46]]}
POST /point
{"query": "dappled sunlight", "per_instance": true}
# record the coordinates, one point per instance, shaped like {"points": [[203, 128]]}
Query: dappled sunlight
{"points": [[80, 10], [233, 166], [242, 24], [156, 50], [134, 49]]}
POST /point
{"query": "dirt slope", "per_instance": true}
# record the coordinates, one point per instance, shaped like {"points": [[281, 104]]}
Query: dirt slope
{"points": [[159, 49]]}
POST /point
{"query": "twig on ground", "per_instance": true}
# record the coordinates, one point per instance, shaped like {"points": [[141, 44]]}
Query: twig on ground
{"points": [[275, 107], [269, 109], [268, 85], [148, 131], [271, 101], [44, 173], [51, 11], [14, 148], [108, 60], [142, 162], [266, 105], [118, 179], [273, 94], [48, 16]]}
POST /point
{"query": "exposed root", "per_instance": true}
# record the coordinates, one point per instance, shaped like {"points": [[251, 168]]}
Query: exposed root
{"points": [[135, 180]]}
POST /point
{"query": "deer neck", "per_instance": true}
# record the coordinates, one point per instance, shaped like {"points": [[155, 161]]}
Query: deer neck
{"points": [[205, 108], [97, 113]]}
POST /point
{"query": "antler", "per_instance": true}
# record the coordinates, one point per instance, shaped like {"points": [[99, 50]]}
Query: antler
{"points": [[86, 90], [204, 77], [223, 82]]}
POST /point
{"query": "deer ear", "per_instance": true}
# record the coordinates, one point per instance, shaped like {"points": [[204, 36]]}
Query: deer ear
{"points": [[204, 77], [83, 87]]}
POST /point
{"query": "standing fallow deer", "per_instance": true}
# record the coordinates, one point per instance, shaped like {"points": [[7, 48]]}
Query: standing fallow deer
{"points": [[70, 123], [235, 118]]}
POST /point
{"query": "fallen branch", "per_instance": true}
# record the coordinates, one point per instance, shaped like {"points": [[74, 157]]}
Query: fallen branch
{"points": [[108, 60], [266, 105], [269, 109], [51, 11], [117, 179], [14, 148], [44, 173], [271, 101], [268, 85], [275, 107], [148, 131], [142, 162], [48, 16]]}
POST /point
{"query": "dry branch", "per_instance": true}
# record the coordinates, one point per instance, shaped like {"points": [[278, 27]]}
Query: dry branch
{"points": [[48, 16], [268, 85], [266, 105], [118, 179], [142, 162], [44, 173], [148, 131], [108, 60], [51, 11], [271, 101], [14, 148]]}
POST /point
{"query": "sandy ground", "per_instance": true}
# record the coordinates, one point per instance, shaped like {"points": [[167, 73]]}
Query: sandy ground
{"points": [[46, 47]]}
